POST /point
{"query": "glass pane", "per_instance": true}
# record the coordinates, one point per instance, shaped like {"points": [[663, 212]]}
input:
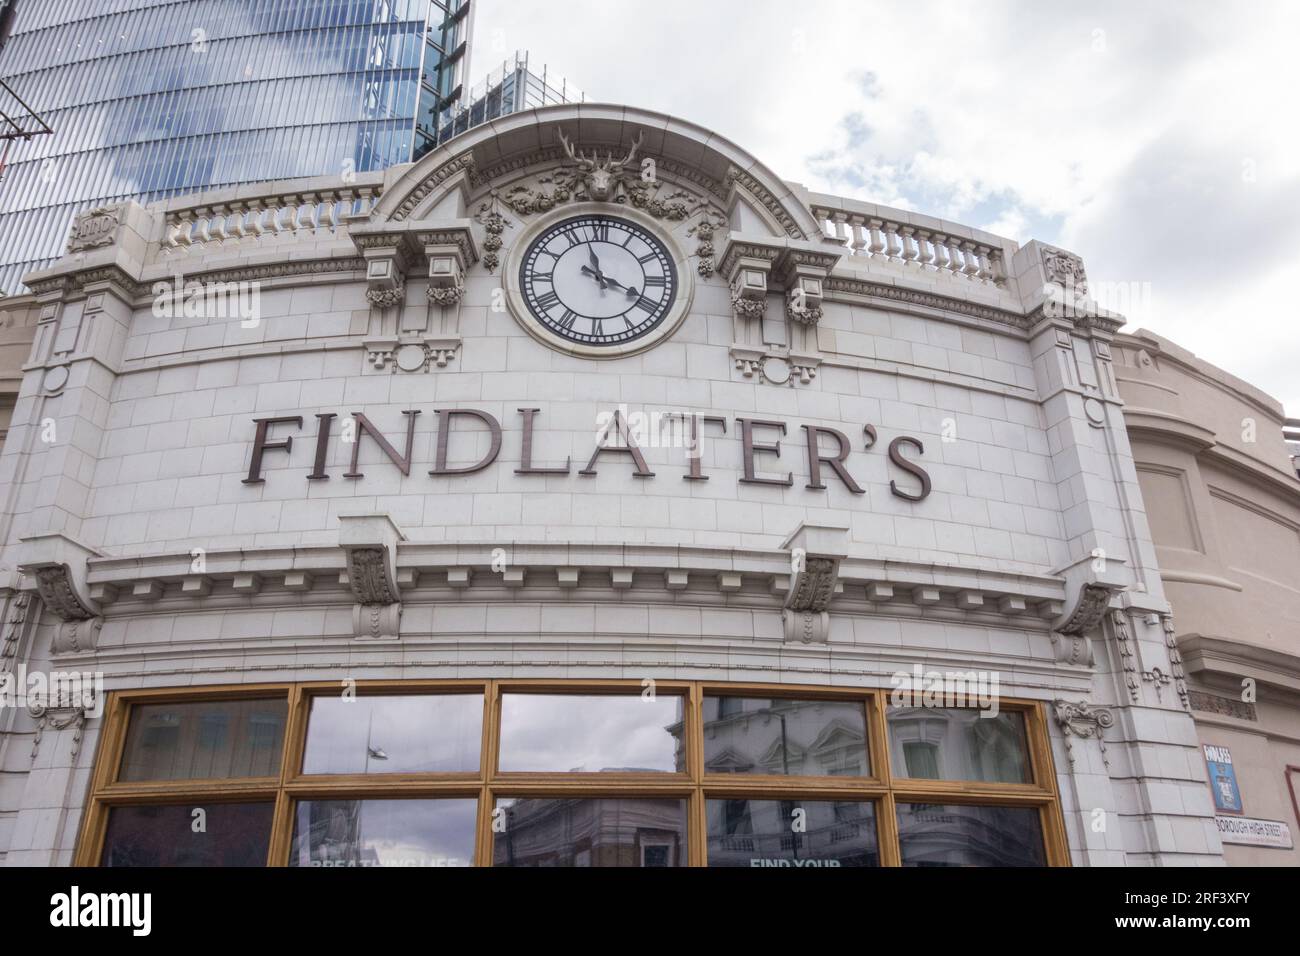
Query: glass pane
{"points": [[383, 833], [233, 834], [936, 743], [565, 732], [209, 739], [430, 733], [785, 736], [791, 833], [595, 832], [959, 835]]}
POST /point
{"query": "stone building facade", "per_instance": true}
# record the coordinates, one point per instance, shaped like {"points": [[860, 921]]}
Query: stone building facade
{"points": [[293, 436]]}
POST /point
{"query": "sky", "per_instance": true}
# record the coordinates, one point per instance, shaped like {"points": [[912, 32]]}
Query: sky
{"points": [[1158, 140]]}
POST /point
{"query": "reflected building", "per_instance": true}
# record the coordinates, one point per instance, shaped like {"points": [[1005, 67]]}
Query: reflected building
{"points": [[151, 100], [566, 832]]}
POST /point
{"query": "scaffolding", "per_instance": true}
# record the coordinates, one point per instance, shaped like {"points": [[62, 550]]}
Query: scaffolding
{"points": [[17, 122]]}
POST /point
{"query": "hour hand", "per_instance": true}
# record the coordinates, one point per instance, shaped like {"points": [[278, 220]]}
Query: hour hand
{"points": [[595, 274], [595, 264]]}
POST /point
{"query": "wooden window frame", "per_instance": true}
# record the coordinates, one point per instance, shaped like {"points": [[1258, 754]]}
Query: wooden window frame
{"points": [[883, 788]]}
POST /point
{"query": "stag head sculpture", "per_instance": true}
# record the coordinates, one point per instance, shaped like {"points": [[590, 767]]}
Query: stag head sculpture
{"points": [[601, 175]]}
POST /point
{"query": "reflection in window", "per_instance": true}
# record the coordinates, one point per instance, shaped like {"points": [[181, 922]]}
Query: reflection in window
{"points": [[564, 831], [233, 834], [936, 743], [383, 833], [430, 733], [212, 739], [589, 734], [785, 737], [785, 833], [967, 835]]}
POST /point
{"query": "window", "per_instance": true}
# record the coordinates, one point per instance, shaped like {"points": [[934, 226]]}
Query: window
{"points": [[212, 739], [190, 834], [970, 835], [559, 831], [430, 733], [383, 833], [588, 734], [937, 743], [548, 773], [785, 736], [786, 833]]}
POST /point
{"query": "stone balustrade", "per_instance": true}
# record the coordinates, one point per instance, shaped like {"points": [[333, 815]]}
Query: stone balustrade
{"points": [[280, 214], [960, 254]]}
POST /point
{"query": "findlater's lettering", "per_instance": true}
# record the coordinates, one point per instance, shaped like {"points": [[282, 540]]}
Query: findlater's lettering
{"points": [[828, 449]]}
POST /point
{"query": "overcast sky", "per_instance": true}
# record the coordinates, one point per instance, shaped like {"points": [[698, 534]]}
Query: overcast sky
{"points": [[1158, 140]]}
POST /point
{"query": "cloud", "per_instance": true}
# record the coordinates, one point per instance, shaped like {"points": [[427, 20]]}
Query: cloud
{"points": [[1152, 139]]}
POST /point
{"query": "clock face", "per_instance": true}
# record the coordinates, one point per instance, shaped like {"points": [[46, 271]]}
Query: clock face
{"points": [[598, 280]]}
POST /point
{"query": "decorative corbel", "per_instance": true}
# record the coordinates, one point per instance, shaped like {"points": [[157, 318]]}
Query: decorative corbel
{"points": [[369, 544], [815, 555], [389, 257], [56, 566], [746, 264], [450, 253], [1070, 632], [1083, 720], [802, 273], [385, 284]]}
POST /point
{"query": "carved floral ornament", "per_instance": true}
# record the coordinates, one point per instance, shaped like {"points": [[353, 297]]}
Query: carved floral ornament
{"points": [[596, 177], [1085, 721]]}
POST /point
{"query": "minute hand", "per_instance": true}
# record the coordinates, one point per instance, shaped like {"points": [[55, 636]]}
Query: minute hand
{"points": [[630, 290]]}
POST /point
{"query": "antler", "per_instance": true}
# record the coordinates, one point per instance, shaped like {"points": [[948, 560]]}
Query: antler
{"points": [[631, 155], [579, 158]]}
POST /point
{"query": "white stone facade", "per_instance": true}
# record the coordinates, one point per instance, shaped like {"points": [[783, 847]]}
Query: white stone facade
{"points": [[132, 542]]}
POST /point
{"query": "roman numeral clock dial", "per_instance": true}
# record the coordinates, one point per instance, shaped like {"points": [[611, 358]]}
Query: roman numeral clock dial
{"points": [[598, 281]]}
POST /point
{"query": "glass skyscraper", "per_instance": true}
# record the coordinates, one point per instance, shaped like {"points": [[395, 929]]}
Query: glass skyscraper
{"points": [[155, 98]]}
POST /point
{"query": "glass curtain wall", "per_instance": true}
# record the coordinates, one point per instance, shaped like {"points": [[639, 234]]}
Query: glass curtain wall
{"points": [[152, 99]]}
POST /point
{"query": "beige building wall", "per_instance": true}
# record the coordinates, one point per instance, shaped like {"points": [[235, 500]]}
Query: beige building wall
{"points": [[17, 329], [1223, 501]]}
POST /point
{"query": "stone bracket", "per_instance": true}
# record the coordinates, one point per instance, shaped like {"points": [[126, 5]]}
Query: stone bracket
{"points": [[802, 273], [56, 565], [815, 555], [1098, 584], [369, 544]]}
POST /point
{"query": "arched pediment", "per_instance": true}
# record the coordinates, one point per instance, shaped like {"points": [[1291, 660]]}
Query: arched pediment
{"points": [[688, 162]]}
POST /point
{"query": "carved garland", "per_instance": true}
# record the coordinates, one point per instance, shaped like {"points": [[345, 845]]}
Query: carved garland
{"points": [[1175, 660], [18, 608], [1128, 657]]}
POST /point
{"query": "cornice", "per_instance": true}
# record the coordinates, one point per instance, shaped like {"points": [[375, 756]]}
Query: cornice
{"points": [[657, 574], [866, 288], [1236, 659]]}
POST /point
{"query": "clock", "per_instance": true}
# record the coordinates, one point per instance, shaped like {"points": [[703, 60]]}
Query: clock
{"points": [[599, 284]]}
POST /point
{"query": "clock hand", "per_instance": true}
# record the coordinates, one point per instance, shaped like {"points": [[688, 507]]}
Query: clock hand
{"points": [[603, 280], [595, 264], [630, 290]]}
